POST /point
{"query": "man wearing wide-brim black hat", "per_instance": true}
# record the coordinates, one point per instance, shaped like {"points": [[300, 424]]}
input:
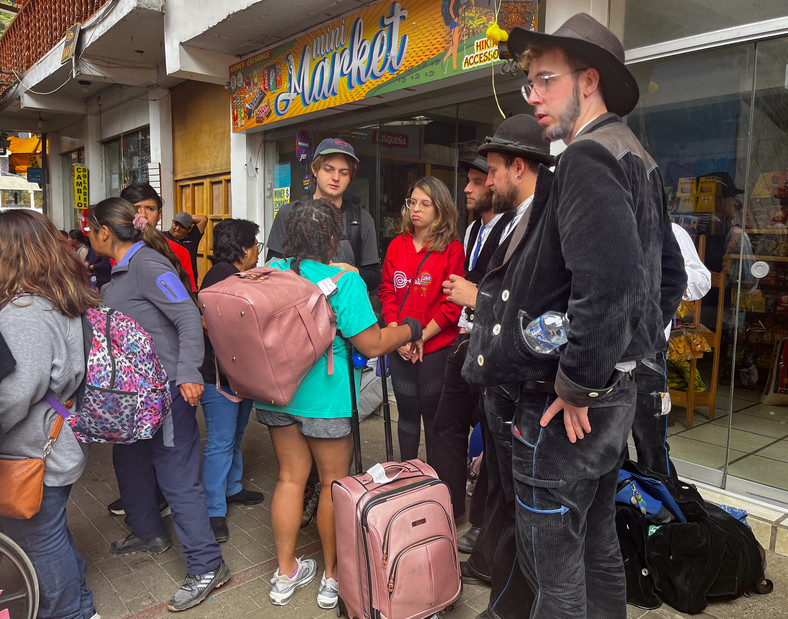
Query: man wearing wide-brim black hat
{"points": [[599, 249], [512, 161]]}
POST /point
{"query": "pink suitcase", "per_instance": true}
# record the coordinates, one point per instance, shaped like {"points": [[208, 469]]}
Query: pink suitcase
{"points": [[396, 540]]}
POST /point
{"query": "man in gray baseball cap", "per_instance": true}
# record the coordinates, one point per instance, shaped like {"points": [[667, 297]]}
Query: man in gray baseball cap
{"points": [[599, 250]]}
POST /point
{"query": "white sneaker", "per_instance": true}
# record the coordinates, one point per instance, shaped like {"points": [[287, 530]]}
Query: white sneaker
{"points": [[329, 592], [284, 587]]}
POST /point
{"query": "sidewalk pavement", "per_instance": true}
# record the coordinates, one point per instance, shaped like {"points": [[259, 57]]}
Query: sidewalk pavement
{"points": [[140, 585]]}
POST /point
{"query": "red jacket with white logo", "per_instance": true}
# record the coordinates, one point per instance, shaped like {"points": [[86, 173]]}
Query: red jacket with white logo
{"points": [[412, 287]]}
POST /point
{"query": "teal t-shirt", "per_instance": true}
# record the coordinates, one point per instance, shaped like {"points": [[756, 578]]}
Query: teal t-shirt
{"points": [[320, 394]]}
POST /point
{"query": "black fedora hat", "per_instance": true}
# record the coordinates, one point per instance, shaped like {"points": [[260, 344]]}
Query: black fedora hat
{"points": [[519, 135], [586, 39], [728, 187], [479, 163]]}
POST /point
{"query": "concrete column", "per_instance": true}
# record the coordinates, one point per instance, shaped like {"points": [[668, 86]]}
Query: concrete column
{"points": [[94, 159], [160, 114], [56, 185], [558, 12], [247, 169]]}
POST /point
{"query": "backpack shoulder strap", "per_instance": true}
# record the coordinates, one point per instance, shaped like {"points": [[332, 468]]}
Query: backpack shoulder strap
{"points": [[353, 213]]}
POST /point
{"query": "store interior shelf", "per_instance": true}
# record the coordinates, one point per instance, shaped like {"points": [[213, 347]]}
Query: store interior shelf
{"points": [[766, 258]]}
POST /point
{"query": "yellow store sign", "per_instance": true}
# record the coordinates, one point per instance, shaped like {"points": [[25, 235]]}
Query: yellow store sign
{"points": [[382, 48], [81, 196]]}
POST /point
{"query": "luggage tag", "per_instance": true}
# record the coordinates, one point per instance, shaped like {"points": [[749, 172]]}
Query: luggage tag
{"points": [[327, 287], [378, 474]]}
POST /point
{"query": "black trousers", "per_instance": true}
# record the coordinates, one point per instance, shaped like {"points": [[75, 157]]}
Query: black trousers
{"points": [[459, 410], [650, 427], [417, 387], [495, 552], [140, 465]]}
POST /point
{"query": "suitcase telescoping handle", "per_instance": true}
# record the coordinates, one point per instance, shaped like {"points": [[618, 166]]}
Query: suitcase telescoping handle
{"points": [[354, 420], [383, 366]]}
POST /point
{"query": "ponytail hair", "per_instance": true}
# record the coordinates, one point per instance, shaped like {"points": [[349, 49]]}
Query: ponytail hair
{"points": [[118, 215]]}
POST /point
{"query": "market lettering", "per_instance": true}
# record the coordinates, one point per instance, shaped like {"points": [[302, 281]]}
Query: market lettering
{"points": [[485, 52], [363, 60], [333, 39]]}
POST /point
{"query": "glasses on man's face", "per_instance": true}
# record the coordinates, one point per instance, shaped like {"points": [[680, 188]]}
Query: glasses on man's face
{"points": [[541, 83], [412, 203], [260, 245]]}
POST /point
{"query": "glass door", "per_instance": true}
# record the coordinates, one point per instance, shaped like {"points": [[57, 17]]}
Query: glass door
{"points": [[759, 248], [716, 123]]}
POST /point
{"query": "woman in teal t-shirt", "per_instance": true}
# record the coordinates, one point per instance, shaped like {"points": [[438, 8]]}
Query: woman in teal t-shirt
{"points": [[316, 422]]}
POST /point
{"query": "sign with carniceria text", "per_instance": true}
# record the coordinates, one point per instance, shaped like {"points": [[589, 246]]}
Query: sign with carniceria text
{"points": [[382, 48]]}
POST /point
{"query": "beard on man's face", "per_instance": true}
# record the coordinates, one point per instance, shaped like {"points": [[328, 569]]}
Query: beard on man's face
{"points": [[566, 121], [505, 199], [483, 203]]}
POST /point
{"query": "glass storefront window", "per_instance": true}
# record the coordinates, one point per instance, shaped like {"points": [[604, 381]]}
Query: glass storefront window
{"points": [[639, 23], [717, 125], [126, 160], [396, 152]]}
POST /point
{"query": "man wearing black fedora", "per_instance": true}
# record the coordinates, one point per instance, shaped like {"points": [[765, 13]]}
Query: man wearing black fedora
{"points": [[599, 249], [459, 406], [516, 156]]}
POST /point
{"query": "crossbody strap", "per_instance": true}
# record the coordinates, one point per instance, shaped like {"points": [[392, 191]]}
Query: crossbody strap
{"points": [[63, 413], [410, 287]]}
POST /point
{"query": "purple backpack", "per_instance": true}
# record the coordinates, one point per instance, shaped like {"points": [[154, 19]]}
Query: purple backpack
{"points": [[126, 395]]}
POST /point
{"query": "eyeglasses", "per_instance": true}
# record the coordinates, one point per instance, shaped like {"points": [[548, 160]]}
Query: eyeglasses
{"points": [[411, 203], [260, 246], [541, 83]]}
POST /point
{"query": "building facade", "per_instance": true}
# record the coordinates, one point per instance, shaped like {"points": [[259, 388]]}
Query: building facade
{"points": [[219, 104]]}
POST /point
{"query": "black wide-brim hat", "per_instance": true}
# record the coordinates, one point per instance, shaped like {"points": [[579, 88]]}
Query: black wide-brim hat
{"points": [[479, 163], [728, 188], [589, 41], [519, 135]]}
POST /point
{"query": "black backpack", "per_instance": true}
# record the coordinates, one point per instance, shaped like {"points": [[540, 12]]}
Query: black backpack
{"points": [[686, 564]]}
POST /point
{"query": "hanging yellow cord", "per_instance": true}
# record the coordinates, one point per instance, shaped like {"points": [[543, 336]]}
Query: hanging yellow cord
{"points": [[496, 35]]}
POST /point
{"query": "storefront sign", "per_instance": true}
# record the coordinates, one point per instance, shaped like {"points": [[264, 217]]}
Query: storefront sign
{"points": [[281, 185], [18, 163], [391, 140], [35, 175], [382, 48], [70, 44], [81, 195], [281, 197]]}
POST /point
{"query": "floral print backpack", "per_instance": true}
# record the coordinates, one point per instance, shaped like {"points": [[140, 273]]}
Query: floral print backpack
{"points": [[125, 396]]}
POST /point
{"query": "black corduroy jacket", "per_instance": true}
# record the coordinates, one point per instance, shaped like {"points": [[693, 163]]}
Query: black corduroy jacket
{"points": [[598, 247]]}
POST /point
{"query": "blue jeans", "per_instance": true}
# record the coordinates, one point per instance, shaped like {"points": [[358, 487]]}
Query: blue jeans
{"points": [[59, 566], [495, 552], [565, 507], [222, 463]]}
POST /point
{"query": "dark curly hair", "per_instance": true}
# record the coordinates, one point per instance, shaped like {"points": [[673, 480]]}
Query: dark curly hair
{"points": [[313, 231], [231, 237]]}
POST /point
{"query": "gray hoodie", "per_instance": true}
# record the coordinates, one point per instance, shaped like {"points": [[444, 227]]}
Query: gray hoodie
{"points": [[146, 288], [49, 356]]}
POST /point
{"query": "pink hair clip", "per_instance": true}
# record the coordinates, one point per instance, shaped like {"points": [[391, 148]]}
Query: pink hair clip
{"points": [[140, 221]]}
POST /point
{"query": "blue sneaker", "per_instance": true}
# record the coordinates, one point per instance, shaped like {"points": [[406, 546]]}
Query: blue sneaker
{"points": [[283, 587]]}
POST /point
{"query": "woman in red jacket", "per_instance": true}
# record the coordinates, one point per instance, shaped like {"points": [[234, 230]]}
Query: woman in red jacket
{"points": [[417, 261]]}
